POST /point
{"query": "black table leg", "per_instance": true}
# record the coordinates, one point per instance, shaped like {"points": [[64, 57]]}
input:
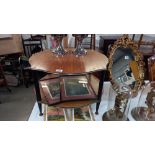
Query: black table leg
{"points": [[100, 92], [37, 89]]}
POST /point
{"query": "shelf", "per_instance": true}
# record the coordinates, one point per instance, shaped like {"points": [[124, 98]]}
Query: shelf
{"points": [[67, 90]]}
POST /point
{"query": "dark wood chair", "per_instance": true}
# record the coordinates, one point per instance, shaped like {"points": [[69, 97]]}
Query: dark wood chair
{"points": [[30, 47], [145, 46], [151, 68], [38, 37]]}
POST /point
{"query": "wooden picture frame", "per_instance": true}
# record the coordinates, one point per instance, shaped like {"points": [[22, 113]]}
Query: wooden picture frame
{"points": [[52, 94], [67, 88], [76, 88]]}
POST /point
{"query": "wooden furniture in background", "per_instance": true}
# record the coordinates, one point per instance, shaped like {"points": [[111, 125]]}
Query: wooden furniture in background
{"points": [[11, 45], [106, 41], [30, 47], [3, 81], [4, 36], [139, 40], [147, 48], [71, 65], [151, 68], [38, 37]]}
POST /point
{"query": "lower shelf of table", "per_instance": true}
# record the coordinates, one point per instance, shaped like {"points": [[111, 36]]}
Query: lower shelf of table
{"points": [[74, 103]]}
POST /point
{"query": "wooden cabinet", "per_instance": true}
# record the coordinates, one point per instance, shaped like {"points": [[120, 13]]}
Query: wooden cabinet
{"points": [[11, 45]]}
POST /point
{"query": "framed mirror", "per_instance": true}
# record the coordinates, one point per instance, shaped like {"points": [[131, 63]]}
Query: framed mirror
{"points": [[126, 65]]}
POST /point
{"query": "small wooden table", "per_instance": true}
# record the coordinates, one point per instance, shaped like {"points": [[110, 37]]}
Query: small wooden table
{"points": [[69, 64]]}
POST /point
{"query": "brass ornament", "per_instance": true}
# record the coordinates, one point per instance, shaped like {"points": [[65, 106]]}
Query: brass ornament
{"points": [[146, 113]]}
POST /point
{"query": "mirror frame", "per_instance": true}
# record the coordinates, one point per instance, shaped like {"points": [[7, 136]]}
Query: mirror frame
{"points": [[126, 42]]}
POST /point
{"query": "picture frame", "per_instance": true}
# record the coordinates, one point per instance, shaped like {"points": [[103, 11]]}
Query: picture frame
{"points": [[51, 90], [67, 88], [76, 88]]}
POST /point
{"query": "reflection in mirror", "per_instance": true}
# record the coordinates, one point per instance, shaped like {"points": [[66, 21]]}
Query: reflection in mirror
{"points": [[126, 65], [121, 70]]}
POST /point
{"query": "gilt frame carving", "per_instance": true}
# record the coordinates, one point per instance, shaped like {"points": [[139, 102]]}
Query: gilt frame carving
{"points": [[126, 42]]}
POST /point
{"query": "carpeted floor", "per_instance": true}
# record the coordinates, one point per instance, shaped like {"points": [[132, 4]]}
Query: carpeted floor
{"points": [[17, 105]]}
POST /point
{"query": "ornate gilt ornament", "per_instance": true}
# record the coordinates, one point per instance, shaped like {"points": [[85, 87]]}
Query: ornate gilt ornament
{"points": [[150, 99], [145, 110], [135, 66]]}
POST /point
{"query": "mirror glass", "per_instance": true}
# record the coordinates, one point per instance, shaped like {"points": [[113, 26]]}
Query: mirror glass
{"points": [[126, 65], [123, 59]]}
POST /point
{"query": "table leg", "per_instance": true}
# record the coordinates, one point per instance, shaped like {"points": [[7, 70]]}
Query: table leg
{"points": [[100, 90], [37, 89]]}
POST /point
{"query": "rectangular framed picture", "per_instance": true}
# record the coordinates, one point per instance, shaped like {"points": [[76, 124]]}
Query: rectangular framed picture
{"points": [[51, 90], [76, 87]]}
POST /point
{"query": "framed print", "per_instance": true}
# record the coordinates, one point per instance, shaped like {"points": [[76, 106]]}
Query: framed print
{"points": [[76, 87], [51, 90]]}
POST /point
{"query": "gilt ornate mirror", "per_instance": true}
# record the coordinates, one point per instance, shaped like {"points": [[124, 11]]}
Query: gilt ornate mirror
{"points": [[126, 65]]}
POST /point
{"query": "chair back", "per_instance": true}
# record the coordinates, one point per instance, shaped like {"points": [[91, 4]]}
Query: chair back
{"points": [[31, 46]]}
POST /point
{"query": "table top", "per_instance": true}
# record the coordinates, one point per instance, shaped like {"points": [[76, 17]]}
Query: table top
{"points": [[49, 62]]}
